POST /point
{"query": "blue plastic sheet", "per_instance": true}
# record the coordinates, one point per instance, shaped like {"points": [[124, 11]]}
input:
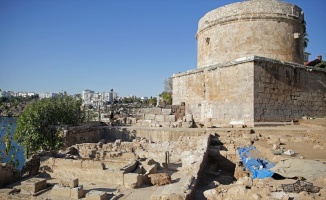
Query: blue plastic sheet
{"points": [[255, 163]]}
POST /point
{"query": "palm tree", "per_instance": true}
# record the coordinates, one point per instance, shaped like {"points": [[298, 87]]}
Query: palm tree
{"points": [[305, 35], [305, 40]]}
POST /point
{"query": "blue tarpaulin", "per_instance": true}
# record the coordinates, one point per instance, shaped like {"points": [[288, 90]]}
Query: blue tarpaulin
{"points": [[252, 160]]}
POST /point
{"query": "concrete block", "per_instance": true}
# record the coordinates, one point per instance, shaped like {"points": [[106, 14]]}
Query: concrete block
{"points": [[33, 185], [96, 195], [69, 182]]}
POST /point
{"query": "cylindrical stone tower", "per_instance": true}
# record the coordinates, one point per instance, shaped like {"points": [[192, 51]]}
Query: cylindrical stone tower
{"points": [[266, 28]]}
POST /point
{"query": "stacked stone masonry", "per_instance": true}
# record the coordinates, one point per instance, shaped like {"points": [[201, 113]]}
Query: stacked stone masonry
{"points": [[251, 89], [250, 28]]}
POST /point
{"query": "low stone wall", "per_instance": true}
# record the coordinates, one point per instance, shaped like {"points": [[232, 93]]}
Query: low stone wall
{"points": [[88, 132], [153, 134], [108, 172]]}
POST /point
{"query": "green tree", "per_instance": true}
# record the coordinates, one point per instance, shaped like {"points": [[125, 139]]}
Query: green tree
{"points": [[153, 101], [38, 127], [166, 97], [305, 35]]}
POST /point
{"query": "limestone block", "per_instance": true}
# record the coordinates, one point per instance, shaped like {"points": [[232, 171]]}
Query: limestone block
{"points": [[77, 192], [60, 191], [150, 117], [160, 118], [187, 124], [189, 118], [166, 111], [160, 178], [96, 195], [33, 185], [69, 182], [170, 118], [132, 180]]}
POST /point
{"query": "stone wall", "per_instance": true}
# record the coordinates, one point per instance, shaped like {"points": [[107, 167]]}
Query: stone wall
{"points": [[284, 91], [249, 90], [217, 95], [250, 28], [88, 132], [85, 170]]}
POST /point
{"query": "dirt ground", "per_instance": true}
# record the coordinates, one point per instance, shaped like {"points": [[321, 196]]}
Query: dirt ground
{"points": [[306, 138]]}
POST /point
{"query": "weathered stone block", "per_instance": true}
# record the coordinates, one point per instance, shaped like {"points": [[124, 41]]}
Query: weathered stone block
{"points": [[166, 111], [67, 192], [69, 182], [160, 179], [149, 116], [160, 118], [170, 118], [96, 195], [77, 192], [60, 191], [132, 180], [33, 185]]}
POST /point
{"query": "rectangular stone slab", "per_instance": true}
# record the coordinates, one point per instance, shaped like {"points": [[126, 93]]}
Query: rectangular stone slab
{"points": [[33, 185], [96, 195]]}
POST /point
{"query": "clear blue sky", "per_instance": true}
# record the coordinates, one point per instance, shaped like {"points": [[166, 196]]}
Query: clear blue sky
{"points": [[131, 46]]}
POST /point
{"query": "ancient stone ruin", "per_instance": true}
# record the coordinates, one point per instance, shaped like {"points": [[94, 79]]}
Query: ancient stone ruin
{"points": [[250, 67], [250, 90]]}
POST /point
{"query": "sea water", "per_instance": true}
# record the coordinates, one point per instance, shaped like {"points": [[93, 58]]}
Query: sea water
{"points": [[4, 125]]}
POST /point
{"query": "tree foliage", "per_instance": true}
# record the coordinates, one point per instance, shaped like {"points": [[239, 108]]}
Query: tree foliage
{"points": [[152, 101], [322, 64], [305, 35], [38, 126], [166, 97]]}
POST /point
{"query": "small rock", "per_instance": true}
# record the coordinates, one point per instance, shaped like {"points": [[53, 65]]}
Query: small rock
{"points": [[247, 181], [256, 196], [210, 194]]}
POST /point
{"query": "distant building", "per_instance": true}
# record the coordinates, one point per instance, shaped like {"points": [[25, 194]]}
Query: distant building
{"points": [[43, 95], [89, 97], [144, 98], [7, 94], [306, 57]]}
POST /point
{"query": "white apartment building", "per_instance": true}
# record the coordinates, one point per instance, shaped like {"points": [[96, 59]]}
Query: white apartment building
{"points": [[90, 97], [43, 95]]}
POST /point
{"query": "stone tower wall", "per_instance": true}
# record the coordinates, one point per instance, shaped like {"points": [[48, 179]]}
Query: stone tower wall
{"points": [[217, 95], [267, 28], [255, 89], [285, 92]]}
